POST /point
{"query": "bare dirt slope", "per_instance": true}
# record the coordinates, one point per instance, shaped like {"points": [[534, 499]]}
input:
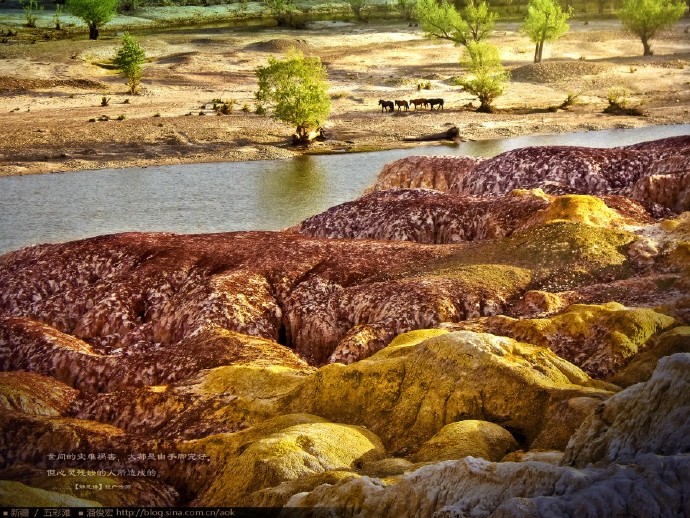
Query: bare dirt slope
{"points": [[50, 90]]}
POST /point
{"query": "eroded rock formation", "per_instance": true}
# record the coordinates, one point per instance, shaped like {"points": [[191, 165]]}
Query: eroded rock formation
{"points": [[653, 172], [638, 471], [384, 355]]}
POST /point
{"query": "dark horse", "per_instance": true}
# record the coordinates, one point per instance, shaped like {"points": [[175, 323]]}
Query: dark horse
{"points": [[402, 104], [386, 105], [434, 102]]}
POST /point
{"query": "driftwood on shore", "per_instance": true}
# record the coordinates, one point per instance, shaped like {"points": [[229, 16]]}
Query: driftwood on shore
{"points": [[450, 134]]}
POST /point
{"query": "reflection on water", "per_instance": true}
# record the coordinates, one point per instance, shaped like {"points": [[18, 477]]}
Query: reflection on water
{"points": [[291, 186], [222, 197]]}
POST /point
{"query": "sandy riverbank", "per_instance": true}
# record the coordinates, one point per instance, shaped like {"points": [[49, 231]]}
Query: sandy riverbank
{"points": [[50, 90]]}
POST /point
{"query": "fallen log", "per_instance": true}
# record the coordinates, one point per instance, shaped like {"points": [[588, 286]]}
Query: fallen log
{"points": [[450, 134]]}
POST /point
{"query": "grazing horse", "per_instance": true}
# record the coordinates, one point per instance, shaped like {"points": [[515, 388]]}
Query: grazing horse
{"points": [[386, 105], [434, 102], [418, 102], [402, 104]]}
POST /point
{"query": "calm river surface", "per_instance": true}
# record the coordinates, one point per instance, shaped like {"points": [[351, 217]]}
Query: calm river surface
{"points": [[221, 197]]}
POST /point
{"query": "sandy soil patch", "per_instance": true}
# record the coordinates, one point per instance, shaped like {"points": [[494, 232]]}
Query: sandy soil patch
{"points": [[51, 90]]}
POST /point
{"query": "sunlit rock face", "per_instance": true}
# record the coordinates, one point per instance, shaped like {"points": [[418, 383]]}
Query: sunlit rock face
{"points": [[409, 391], [600, 339], [425, 172], [654, 172], [423, 349], [613, 466]]}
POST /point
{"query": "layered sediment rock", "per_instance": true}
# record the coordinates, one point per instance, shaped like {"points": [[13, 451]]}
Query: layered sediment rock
{"points": [[650, 417], [467, 438]]}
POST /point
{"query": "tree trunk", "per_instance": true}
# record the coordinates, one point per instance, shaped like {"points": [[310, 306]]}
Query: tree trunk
{"points": [[452, 133], [304, 135], [93, 31], [538, 52], [647, 46]]}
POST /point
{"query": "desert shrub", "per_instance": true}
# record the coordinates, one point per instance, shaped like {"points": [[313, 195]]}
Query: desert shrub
{"points": [[359, 8], [126, 6], [105, 101], [619, 105], [225, 108], [545, 21], [443, 20], [285, 13], [57, 17], [570, 100], [407, 9], [31, 9]]}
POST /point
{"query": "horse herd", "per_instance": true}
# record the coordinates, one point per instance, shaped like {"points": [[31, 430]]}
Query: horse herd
{"points": [[425, 103]]}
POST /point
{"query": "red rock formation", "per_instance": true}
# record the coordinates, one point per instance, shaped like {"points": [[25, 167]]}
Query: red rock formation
{"points": [[423, 216], [425, 172], [428, 216], [116, 310], [558, 170]]}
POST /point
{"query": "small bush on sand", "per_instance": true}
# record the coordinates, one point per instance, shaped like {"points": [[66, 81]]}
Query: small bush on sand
{"points": [[129, 59], [618, 104]]}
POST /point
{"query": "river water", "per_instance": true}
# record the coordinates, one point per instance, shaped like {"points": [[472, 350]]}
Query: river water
{"points": [[221, 197]]}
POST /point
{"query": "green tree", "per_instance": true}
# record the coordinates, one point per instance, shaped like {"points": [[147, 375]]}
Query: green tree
{"points": [[297, 87], [129, 59], [644, 18], [545, 21], [488, 77], [94, 13], [442, 20]]}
